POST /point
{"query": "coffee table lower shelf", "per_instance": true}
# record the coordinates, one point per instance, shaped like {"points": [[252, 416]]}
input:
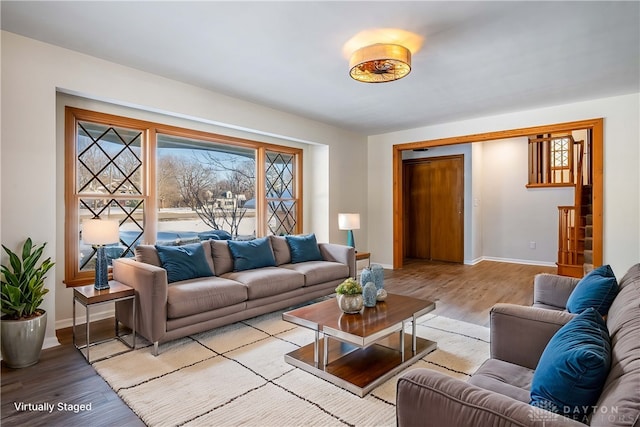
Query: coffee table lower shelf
{"points": [[360, 370]]}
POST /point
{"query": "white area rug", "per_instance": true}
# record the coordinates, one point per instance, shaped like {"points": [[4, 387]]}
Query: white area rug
{"points": [[236, 375]]}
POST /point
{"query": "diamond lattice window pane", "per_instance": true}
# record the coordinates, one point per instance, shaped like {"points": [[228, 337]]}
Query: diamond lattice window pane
{"points": [[109, 160], [129, 214], [281, 217], [280, 190]]}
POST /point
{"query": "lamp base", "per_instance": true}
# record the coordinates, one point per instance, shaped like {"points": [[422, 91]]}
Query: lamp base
{"points": [[350, 240], [102, 279]]}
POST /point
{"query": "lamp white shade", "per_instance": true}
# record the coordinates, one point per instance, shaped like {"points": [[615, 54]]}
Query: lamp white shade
{"points": [[348, 221], [98, 231]]}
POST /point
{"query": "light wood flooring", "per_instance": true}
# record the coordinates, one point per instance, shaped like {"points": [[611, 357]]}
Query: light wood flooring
{"points": [[461, 292]]}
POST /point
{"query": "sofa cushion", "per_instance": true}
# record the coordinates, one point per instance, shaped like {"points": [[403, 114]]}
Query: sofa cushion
{"points": [[222, 258], [281, 250], [251, 254], [505, 378], [203, 294], [267, 281], [148, 255], [573, 367], [184, 262], [303, 248], [597, 289], [316, 272]]}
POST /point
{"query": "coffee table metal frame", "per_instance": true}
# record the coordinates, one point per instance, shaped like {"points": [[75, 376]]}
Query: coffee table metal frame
{"points": [[355, 351]]}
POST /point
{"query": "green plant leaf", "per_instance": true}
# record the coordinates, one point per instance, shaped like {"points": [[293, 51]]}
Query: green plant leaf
{"points": [[23, 287]]}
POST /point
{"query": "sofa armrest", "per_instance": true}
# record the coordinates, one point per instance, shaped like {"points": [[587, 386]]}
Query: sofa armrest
{"points": [[553, 290], [520, 333], [428, 398], [150, 284], [339, 253]]}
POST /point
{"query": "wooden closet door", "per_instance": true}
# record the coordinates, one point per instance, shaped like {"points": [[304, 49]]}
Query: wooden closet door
{"points": [[433, 209], [447, 201], [417, 230]]}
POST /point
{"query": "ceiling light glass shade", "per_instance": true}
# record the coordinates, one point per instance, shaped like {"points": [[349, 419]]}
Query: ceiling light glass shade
{"points": [[380, 63]]}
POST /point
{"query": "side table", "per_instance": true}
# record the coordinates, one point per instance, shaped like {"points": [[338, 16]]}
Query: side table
{"points": [[362, 256], [89, 296]]}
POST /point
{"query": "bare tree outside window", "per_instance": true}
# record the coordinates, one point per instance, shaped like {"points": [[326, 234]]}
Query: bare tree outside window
{"points": [[212, 181]]}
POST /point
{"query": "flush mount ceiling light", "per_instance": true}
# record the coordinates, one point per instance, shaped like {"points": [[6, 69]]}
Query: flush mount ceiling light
{"points": [[380, 55], [380, 63]]}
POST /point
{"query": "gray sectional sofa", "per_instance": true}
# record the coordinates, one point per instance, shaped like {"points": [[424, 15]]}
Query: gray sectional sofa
{"points": [[498, 394], [167, 311]]}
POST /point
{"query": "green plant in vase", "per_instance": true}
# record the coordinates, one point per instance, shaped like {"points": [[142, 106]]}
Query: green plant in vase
{"points": [[349, 296], [22, 292]]}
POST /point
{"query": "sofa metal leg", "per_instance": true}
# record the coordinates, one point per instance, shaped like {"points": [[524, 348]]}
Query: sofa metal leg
{"points": [[155, 348]]}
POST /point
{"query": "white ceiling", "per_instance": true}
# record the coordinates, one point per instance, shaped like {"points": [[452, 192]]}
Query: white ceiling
{"points": [[478, 58]]}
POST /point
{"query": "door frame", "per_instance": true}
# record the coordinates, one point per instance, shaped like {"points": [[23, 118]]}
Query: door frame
{"points": [[595, 125], [418, 160]]}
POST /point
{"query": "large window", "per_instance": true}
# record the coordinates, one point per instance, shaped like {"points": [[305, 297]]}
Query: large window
{"points": [[171, 186]]}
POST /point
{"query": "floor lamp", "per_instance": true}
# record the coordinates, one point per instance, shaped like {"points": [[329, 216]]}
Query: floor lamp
{"points": [[349, 222], [98, 233]]}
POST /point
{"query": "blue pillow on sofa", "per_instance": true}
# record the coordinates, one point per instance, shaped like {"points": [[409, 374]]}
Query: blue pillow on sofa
{"points": [[597, 289], [303, 248], [573, 367], [184, 262], [251, 254]]}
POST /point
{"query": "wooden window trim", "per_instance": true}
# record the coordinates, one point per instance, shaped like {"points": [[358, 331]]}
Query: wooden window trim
{"points": [[74, 277]]}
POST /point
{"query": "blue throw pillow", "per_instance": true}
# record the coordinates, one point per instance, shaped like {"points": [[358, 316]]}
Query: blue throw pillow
{"points": [[251, 254], [303, 248], [184, 262], [597, 289], [573, 367]]}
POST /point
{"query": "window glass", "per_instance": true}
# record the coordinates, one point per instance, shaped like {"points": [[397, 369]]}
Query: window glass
{"points": [[203, 187], [280, 193]]}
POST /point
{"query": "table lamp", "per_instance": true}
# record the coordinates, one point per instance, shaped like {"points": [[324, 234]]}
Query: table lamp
{"points": [[98, 233], [349, 222]]}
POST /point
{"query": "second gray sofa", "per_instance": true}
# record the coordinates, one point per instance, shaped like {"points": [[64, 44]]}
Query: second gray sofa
{"points": [[498, 394], [167, 311]]}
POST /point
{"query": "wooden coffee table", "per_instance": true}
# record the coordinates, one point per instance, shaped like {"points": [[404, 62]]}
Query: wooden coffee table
{"points": [[360, 351]]}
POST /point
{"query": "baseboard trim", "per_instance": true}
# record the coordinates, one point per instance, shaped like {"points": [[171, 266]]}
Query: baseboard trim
{"points": [[50, 342], [80, 319], [519, 261]]}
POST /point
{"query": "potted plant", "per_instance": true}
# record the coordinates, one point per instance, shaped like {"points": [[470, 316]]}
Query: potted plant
{"points": [[349, 296], [22, 290]]}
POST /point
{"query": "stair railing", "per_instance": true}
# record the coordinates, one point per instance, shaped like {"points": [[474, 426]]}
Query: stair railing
{"points": [[569, 217]]}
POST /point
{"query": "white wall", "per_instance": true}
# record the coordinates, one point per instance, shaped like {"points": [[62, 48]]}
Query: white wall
{"points": [[621, 172], [513, 216], [477, 166], [34, 72]]}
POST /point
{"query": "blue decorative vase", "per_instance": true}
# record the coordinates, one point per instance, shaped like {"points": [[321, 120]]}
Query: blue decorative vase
{"points": [[377, 272], [369, 294], [366, 276]]}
